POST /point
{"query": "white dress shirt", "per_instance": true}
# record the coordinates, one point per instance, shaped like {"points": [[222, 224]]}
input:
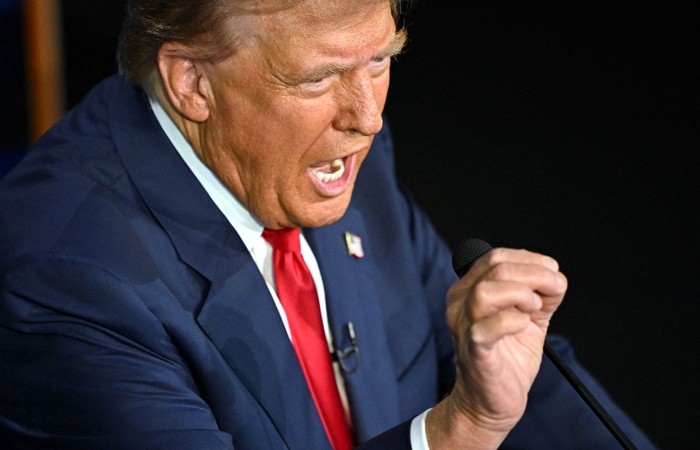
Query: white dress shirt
{"points": [[250, 231]]}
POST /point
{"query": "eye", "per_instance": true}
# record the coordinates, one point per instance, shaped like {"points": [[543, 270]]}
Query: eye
{"points": [[316, 85], [380, 64]]}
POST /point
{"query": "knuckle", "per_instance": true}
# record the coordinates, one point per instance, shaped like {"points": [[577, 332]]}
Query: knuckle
{"points": [[482, 290], [497, 255], [477, 336], [564, 280], [501, 271]]}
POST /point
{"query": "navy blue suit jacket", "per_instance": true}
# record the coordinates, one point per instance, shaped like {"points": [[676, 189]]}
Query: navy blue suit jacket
{"points": [[132, 316]]}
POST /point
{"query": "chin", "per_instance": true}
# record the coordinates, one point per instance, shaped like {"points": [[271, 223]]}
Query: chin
{"points": [[324, 213], [317, 220]]}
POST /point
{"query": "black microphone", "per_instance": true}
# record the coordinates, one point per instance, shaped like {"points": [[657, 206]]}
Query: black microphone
{"points": [[463, 258], [349, 357]]}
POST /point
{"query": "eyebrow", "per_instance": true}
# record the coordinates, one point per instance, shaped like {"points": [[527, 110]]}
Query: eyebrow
{"points": [[395, 46]]}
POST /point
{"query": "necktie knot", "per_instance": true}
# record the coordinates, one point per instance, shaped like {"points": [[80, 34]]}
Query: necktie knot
{"points": [[285, 240]]}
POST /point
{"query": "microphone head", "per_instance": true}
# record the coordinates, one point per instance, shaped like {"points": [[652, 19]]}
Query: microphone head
{"points": [[466, 252]]}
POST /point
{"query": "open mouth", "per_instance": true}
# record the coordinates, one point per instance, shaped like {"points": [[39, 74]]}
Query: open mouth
{"points": [[329, 171]]}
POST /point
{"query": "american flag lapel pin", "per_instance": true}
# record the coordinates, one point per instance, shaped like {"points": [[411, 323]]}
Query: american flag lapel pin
{"points": [[354, 245]]}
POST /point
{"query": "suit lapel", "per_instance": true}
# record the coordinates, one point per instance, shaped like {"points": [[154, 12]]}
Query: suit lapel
{"points": [[240, 317], [352, 297], [238, 313]]}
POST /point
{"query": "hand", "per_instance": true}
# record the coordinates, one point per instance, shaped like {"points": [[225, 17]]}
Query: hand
{"points": [[498, 314]]}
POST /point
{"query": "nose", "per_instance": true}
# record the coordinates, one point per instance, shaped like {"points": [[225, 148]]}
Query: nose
{"points": [[360, 103]]}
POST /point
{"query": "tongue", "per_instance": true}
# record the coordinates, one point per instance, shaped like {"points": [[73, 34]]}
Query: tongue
{"points": [[328, 166], [324, 166]]}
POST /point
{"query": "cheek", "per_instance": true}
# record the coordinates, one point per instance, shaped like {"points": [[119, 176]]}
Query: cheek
{"points": [[291, 140], [303, 121]]}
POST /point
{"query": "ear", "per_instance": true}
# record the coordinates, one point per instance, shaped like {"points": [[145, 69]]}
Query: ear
{"points": [[182, 82]]}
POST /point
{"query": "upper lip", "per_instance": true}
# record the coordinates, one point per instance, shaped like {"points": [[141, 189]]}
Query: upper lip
{"points": [[343, 156]]}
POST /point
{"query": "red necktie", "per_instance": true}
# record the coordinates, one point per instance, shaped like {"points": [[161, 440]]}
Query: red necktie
{"points": [[297, 293]]}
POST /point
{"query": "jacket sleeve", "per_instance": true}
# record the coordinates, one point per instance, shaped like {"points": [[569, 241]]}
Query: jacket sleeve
{"points": [[557, 417]]}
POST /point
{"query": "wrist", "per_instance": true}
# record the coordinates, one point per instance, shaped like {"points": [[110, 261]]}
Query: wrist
{"points": [[450, 427]]}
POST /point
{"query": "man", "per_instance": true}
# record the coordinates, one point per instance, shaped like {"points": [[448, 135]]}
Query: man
{"points": [[142, 301]]}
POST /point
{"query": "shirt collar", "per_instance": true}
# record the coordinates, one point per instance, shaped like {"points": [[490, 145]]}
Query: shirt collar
{"points": [[245, 224]]}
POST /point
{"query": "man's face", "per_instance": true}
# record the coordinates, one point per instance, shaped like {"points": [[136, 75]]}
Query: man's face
{"points": [[293, 112]]}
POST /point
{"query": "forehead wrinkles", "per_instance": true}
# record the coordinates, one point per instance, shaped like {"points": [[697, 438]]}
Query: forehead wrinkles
{"points": [[306, 18], [289, 40]]}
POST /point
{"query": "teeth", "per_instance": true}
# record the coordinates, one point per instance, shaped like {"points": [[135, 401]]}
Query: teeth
{"points": [[337, 171]]}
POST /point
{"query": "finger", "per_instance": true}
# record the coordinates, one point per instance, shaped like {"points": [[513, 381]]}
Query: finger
{"points": [[537, 277], [503, 255], [490, 297], [489, 331]]}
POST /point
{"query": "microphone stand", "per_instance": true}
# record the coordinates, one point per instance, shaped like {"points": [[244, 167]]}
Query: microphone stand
{"points": [[590, 400]]}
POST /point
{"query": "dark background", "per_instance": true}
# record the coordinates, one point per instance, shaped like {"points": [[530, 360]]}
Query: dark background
{"points": [[566, 128], [571, 128]]}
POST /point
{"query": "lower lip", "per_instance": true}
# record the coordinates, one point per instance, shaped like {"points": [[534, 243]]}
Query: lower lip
{"points": [[339, 186]]}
